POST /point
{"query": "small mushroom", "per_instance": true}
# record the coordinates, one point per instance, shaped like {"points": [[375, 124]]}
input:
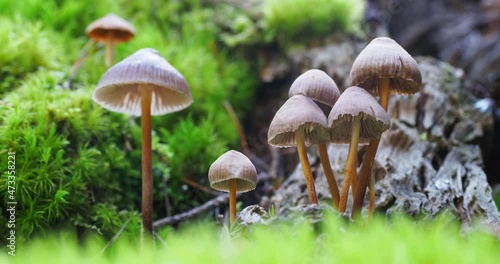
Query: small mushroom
{"points": [[378, 172], [383, 67], [144, 84], [356, 117], [320, 87], [232, 172], [109, 30], [299, 122]]}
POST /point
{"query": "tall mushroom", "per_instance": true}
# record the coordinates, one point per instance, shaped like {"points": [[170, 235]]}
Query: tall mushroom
{"points": [[299, 122], [109, 30], [232, 172], [356, 117], [144, 84], [320, 87], [382, 68]]}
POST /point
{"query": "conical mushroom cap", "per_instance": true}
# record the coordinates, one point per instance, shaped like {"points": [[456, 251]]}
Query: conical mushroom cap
{"points": [[298, 113], [384, 58], [110, 28], [232, 165], [317, 85], [357, 102], [119, 87]]}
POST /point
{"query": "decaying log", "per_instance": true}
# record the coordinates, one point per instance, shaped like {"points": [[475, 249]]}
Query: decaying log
{"points": [[431, 154]]}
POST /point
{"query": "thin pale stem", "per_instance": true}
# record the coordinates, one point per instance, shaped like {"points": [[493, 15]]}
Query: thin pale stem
{"points": [[330, 177], [353, 151], [371, 207], [239, 128], [147, 165], [371, 151], [109, 53], [232, 200], [301, 148], [354, 175]]}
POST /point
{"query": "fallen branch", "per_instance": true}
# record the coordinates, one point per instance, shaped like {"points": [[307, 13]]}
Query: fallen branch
{"points": [[217, 201]]}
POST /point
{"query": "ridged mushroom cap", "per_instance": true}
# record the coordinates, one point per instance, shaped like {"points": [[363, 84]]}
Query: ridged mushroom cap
{"points": [[357, 102], [298, 113], [232, 165], [119, 87], [384, 58], [317, 85], [110, 27]]}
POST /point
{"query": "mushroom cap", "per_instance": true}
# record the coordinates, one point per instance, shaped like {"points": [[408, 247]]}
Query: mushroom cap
{"points": [[384, 58], [110, 27], [298, 113], [317, 85], [119, 87], [232, 165], [357, 102]]}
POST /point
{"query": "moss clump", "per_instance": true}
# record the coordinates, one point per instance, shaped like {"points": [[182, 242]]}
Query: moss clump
{"points": [[295, 21]]}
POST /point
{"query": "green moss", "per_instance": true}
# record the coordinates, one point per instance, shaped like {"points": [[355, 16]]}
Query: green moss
{"points": [[296, 21]]}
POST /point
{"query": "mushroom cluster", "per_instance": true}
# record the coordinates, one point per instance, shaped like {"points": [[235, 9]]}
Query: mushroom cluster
{"points": [[355, 116]]}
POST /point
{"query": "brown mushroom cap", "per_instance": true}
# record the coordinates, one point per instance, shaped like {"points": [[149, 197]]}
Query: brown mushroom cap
{"points": [[119, 87], [317, 85], [232, 165], [384, 58], [110, 28], [357, 102], [298, 112]]}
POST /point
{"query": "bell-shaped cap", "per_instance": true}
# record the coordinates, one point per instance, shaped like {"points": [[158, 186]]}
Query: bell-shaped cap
{"points": [[232, 165], [357, 102], [384, 58], [110, 28], [317, 85], [119, 87], [298, 113]]}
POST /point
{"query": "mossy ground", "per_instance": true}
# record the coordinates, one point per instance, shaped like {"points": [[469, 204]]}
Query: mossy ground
{"points": [[398, 240]]}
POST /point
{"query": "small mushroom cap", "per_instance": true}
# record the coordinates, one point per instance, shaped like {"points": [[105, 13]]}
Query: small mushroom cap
{"points": [[357, 102], [119, 87], [110, 28], [232, 165], [384, 58], [298, 113], [317, 85]]}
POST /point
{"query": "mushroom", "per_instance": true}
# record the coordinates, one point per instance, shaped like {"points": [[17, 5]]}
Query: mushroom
{"points": [[383, 67], [144, 84], [299, 122], [110, 29], [232, 172], [378, 172], [356, 117], [318, 86]]}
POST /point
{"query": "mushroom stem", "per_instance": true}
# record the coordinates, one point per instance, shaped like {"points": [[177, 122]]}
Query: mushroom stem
{"points": [[147, 165], [354, 176], [350, 165], [371, 207], [232, 200], [301, 147], [109, 53], [371, 151], [330, 177]]}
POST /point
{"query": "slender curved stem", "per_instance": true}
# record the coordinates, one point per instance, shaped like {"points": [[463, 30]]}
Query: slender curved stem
{"points": [[301, 148], [109, 53], [371, 151], [232, 200], [371, 207], [330, 177], [354, 175], [353, 151], [147, 165]]}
